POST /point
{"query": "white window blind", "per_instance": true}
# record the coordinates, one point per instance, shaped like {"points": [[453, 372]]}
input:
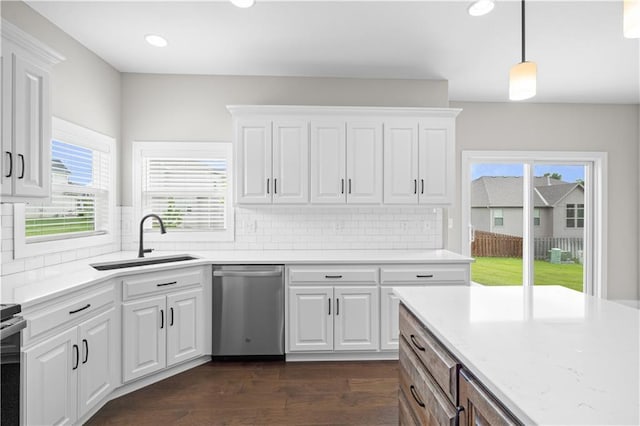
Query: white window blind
{"points": [[190, 194], [79, 204]]}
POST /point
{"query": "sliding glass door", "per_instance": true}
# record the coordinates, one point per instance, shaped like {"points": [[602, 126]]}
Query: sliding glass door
{"points": [[534, 218]]}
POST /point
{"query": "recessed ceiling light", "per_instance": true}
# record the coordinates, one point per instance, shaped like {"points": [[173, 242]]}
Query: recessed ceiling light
{"points": [[480, 7], [156, 40], [243, 3]]}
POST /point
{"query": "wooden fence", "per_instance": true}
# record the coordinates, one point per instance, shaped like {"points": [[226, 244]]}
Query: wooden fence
{"points": [[489, 244]]}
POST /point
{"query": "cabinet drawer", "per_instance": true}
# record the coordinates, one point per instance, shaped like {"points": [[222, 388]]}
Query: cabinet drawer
{"points": [[442, 366], [480, 407], [422, 275], [425, 398], [71, 309], [407, 418], [158, 282], [333, 275]]}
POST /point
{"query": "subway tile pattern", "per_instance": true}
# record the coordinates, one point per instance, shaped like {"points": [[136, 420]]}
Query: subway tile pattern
{"points": [[266, 228]]}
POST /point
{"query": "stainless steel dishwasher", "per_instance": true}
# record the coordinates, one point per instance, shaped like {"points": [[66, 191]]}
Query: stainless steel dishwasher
{"points": [[248, 311]]}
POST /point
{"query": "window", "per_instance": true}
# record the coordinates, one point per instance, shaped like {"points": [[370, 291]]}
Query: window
{"points": [[575, 215], [536, 217], [188, 185], [498, 218], [80, 211]]}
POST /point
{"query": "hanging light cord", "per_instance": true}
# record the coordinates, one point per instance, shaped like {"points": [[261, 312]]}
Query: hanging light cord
{"points": [[523, 56]]}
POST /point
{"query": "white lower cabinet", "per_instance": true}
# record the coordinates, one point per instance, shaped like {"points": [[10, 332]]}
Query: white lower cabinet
{"points": [[70, 373], [161, 331], [333, 318], [389, 319]]}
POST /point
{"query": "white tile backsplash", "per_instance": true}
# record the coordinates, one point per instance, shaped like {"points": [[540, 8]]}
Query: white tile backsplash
{"points": [[267, 228], [328, 228]]}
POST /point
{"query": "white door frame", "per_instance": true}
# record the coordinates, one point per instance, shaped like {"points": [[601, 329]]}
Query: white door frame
{"points": [[595, 263]]}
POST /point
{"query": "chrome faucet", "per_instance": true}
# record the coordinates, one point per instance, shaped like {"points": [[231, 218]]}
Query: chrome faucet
{"points": [[141, 249]]}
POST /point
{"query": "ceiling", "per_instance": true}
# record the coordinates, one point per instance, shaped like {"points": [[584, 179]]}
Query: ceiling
{"points": [[581, 54]]}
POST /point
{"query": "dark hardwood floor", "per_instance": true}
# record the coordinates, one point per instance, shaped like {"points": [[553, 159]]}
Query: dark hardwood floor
{"points": [[264, 393]]}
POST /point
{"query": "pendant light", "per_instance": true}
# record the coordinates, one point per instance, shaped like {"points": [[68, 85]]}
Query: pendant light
{"points": [[480, 7], [522, 77], [244, 4], [631, 18]]}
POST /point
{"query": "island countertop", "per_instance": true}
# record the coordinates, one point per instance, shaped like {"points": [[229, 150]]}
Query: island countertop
{"points": [[551, 355]]}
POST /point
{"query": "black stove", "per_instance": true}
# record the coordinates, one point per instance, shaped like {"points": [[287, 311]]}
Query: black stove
{"points": [[7, 310], [11, 326]]}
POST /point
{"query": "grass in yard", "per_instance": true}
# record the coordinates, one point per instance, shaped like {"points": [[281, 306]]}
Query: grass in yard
{"points": [[50, 226], [508, 271]]}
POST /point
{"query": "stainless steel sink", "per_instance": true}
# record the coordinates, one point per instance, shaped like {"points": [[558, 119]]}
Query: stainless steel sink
{"points": [[119, 264]]}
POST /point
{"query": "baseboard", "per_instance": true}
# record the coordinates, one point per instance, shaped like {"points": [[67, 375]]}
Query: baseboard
{"points": [[342, 356]]}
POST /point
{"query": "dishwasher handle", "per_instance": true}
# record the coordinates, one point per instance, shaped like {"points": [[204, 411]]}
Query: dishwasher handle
{"points": [[248, 274]]}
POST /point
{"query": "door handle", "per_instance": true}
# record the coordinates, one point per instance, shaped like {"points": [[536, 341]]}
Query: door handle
{"points": [[10, 164], [342, 186], [165, 284], [77, 353], [88, 305], [329, 303], [22, 162], [333, 276], [86, 350], [349, 185], [337, 306], [422, 186], [415, 186], [275, 185], [425, 276], [415, 343], [267, 185], [247, 274], [171, 324], [161, 319], [415, 396]]}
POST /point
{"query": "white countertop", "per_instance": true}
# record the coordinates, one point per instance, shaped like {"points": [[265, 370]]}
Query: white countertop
{"points": [[550, 354], [32, 287]]}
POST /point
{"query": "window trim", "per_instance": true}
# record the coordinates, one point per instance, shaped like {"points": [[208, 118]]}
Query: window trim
{"points": [[536, 215], [595, 281], [495, 216], [576, 207], [189, 149], [66, 131]]}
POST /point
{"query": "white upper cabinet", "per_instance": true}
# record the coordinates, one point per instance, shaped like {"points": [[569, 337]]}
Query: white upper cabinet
{"points": [[364, 162], [272, 161], [253, 147], [401, 162], [419, 161], [328, 166], [26, 115], [290, 161], [344, 155]]}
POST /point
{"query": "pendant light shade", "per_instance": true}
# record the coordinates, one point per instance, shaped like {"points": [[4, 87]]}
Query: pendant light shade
{"points": [[522, 81], [522, 77], [244, 4], [631, 19]]}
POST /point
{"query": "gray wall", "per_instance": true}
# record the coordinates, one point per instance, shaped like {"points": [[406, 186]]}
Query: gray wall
{"points": [[85, 89], [191, 108], [568, 127]]}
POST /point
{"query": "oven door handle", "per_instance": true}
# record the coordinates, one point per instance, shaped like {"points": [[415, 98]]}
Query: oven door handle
{"points": [[13, 328]]}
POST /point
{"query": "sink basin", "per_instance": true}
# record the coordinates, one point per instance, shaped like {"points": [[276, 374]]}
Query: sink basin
{"points": [[141, 262]]}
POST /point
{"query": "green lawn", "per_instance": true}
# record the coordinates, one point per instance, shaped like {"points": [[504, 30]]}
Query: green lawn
{"points": [[508, 271], [56, 225]]}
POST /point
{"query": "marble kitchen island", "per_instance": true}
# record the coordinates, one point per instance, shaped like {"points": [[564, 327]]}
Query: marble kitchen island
{"points": [[548, 355]]}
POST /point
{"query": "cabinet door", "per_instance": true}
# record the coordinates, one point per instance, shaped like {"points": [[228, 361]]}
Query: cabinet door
{"points": [[185, 326], [51, 371], [144, 344], [7, 162], [364, 163], [253, 162], [356, 318], [290, 162], [401, 162], [99, 352], [32, 129], [480, 408], [328, 166], [436, 165], [310, 319], [389, 319]]}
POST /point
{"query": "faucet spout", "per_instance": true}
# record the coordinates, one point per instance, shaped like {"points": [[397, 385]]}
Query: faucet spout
{"points": [[141, 249]]}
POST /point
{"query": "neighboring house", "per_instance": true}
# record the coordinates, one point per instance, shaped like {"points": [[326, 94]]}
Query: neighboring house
{"points": [[496, 206]]}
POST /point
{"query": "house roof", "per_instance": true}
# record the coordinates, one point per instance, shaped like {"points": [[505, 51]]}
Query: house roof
{"points": [[506, 191]]}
